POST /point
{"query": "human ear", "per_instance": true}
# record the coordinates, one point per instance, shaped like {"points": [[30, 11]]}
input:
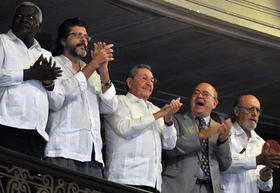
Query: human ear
{"points": [[129, 82], [236, 111], [215, 103], [62, 41]]}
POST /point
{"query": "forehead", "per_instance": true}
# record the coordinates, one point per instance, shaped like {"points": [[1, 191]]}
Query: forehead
{"points": [[25, 9], [78, 29], [205, 87], [144, 71], [251, 101]]}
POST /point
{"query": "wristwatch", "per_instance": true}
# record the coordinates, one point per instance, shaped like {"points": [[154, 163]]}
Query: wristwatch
{"points": [[168, 123], [108, 84]]}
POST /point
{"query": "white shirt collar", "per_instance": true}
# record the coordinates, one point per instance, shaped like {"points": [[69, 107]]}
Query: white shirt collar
{"points": [[206, 119], [239, 131], [69, 64], [13, 37], [134, 99]]}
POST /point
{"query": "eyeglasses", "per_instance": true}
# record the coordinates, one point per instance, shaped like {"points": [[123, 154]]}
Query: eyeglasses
{"points": [[252, 109], [206, 94], [80, 35], [145, 78]]}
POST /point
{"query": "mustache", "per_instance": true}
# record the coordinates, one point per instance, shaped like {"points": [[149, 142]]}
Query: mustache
{"points": [[148, 86], [253, 119], [81, 44]]}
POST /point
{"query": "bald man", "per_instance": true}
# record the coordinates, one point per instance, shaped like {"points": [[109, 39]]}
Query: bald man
{"points": [[202, 148], [250, 170]]}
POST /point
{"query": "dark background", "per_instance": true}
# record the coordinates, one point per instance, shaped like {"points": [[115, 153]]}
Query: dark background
{"points": [[181, 54]]}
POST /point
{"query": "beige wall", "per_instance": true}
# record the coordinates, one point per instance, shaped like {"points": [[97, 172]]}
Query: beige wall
{"points": [[257, 21], [259, 15]]}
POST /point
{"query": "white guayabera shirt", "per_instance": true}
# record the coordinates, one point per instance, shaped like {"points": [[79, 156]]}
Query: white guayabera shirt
{"points": [[243, 174], [74, 122], [23, 104], [134, 141]]}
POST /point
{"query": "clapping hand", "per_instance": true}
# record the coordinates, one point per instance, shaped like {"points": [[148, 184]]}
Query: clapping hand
{"points": [[225, 129], [268, 158], [168, 110], [102, 54], [42, 70], [266, 173], [222, 129], [172, 108]]}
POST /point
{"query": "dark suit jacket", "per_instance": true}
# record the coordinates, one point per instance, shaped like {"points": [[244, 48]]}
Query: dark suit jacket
{"points": [[181, 165]]}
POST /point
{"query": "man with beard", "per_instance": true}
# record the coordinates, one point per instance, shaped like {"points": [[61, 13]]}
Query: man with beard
{"points": [[251, 170], [77, 99], [23, 99], [202, 148]]}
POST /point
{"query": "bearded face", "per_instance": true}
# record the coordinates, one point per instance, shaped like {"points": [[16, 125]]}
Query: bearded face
{"points": [[247, 112], [250, 124], [76, 43], [79, 50]]}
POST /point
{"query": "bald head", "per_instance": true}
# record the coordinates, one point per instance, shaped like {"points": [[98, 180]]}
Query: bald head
{"points": [[203, 100], [247, 111]]}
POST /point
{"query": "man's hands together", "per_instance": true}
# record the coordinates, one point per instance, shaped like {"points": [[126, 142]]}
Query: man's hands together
{"points": [[43, 70], [223, 130], [168, 110]]}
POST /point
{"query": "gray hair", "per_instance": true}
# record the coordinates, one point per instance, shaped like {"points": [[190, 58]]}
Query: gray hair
{"points": [[133, 71], [135, 68], [28, 3]]}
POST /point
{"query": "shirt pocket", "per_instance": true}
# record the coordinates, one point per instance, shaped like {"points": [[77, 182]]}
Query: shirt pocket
{"points": [[20, 62], [14, 101]]}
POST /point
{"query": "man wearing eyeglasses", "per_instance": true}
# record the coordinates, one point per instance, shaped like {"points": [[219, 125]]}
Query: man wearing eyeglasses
{"points": [[202, 148], [136, 133], [77, 99], [251, 169]]}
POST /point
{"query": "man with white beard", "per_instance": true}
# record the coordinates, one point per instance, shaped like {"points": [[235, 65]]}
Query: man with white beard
{"points": [[77, 99], [251, 169]]}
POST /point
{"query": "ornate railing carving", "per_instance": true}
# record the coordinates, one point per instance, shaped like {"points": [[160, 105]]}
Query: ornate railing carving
{"points": [[20, 173]]}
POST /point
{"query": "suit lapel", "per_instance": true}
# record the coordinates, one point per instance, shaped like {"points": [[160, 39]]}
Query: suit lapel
{"points": [[190, 124], [191, 127], [213, 139]]}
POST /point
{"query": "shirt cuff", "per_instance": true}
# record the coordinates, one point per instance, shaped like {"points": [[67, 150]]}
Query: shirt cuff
{"points": [[17, 76], [265, 186], [252, 163], [80, 77], [168, 130], [109, 94], [248, 163]]}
